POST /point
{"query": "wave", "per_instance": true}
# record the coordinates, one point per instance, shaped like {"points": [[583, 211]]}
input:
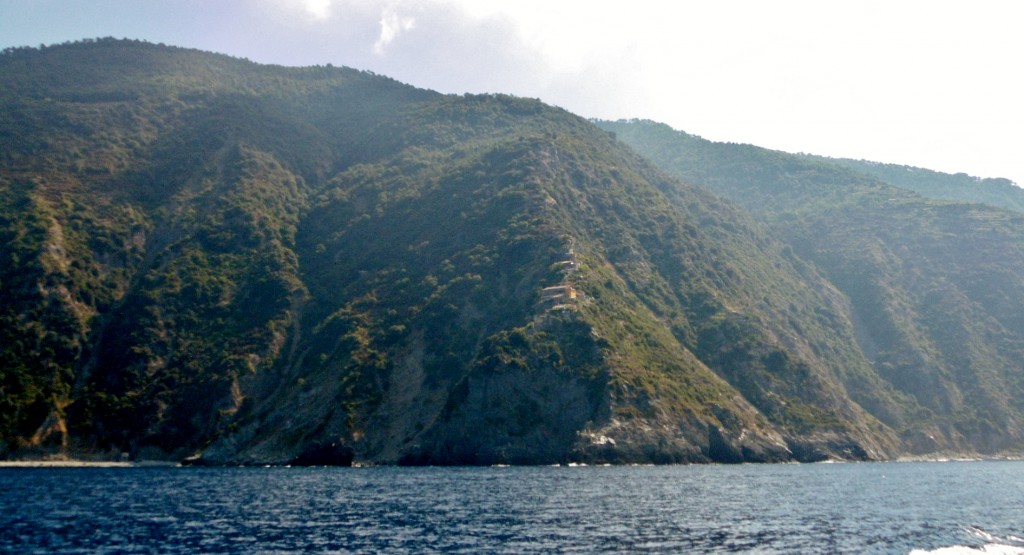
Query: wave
{"points": [[987, 549], [993, 545]]}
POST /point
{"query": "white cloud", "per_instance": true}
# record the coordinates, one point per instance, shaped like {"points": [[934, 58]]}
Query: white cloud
{"points": [[920, 82], [288, 11], [392, 25], [318, 9]]}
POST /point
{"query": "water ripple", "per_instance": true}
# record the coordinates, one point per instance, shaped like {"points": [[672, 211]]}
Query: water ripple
{"points": [[853, 508]]}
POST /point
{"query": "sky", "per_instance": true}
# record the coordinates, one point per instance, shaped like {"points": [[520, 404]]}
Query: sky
{"points": [[934, 84]]}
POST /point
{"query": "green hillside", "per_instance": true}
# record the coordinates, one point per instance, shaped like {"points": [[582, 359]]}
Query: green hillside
{"points": [[997, 192], [225, 262], [935, 287]]}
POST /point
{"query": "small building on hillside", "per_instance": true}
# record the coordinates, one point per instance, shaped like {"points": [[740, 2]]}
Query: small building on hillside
{"points": [[558, 293]]}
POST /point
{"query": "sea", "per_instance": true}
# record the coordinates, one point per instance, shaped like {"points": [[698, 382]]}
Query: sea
{"points": [[907, 507]]}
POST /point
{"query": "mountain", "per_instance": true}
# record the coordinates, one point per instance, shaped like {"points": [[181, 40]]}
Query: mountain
{"points": [[998, 192], [934, 286], [214, 260]]}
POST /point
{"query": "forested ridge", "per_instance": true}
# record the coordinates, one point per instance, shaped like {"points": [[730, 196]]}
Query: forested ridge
{"points": [[213, 260], [931, 264]]}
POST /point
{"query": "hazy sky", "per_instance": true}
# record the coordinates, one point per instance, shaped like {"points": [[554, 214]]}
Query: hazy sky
{"points": [[927, 83]]}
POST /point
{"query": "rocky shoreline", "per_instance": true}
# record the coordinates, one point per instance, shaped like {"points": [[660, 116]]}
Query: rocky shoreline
{"points": [[74, 463], [79, 463]]}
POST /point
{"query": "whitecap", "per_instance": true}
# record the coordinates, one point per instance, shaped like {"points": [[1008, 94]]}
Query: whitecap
{"points": [[987, 549], [994, 545]]}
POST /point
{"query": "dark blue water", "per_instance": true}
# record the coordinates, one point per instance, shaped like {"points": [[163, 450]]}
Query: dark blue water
{"points": [[822, 508]]}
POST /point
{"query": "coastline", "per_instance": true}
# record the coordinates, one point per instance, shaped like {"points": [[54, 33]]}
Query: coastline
{"points": [[84, 463], [68, 463]]}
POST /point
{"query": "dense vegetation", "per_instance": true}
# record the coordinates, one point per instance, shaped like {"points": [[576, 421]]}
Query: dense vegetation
{"points": [[212, 259], [935, 286], [998, 192]]}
